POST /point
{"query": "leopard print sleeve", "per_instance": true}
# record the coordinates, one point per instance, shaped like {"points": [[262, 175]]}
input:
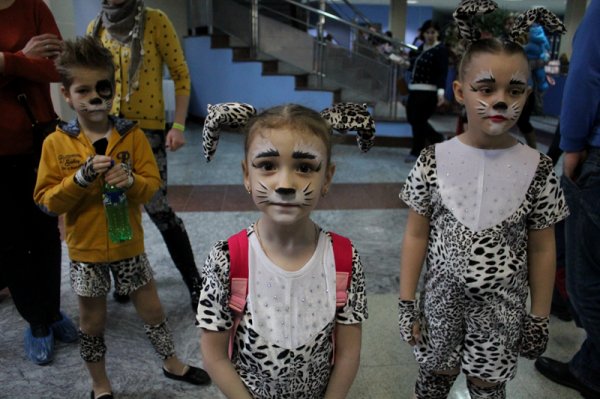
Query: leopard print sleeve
{"points": [[549, 205], [416, 192], [355, 311], [213, 310]]}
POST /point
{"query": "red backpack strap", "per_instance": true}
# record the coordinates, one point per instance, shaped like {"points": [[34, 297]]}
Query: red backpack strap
{"points": [[342, 254], [238, 279]]}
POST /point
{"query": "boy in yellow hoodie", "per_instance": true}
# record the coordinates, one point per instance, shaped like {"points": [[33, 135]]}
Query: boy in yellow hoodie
{"points": [[77, 161]]}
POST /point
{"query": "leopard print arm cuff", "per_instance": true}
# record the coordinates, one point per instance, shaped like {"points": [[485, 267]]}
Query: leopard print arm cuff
{"points": [[407, 316], [86, 174], [535, 336]]}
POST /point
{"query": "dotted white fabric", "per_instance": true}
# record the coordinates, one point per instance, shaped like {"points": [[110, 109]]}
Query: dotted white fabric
{"points": [[280, 300], [483, 187]]}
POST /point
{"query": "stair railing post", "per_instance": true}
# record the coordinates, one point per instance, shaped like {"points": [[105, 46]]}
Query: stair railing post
{"points": [[320, 44], [394, 91], [254, 28], [199, 14], [208, 9]]}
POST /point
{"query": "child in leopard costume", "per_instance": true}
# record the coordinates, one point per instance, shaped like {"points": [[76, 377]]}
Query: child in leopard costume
{"points": [[283, 346], [482, 210], [78, 159]]}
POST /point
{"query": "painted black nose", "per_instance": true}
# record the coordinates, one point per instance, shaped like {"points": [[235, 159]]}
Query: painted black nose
{"points": [[96, 101], [501, 106], [285, 191]]}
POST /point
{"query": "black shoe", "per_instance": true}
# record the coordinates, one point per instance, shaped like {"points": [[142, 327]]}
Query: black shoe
{"points": [[194, 375], [120, 298], [559, 373]]}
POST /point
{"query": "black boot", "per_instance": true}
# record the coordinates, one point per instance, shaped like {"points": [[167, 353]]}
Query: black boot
{"points": [[180, 249]]}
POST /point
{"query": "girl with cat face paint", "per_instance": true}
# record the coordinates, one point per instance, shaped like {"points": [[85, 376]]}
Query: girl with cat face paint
{"points": [[290, 315], [482, 213]]}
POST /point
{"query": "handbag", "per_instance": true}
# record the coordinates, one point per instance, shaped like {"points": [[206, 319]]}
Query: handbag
{"points": [[41, 130], [401, 86]]}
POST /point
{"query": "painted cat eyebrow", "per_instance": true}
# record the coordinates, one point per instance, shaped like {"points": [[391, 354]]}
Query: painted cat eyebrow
{"points": [[303, 155], [486, 80], [267, 154], [517, 82]]}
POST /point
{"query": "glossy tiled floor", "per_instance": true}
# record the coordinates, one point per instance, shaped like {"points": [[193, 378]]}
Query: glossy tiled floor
{"points": [[363, 204]]}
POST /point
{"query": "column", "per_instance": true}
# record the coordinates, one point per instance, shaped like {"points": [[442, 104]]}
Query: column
{"points": [[574, 11], [397, 23]]}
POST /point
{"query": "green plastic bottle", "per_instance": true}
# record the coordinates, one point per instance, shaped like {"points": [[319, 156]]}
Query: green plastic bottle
{"points": [[117, 213]]}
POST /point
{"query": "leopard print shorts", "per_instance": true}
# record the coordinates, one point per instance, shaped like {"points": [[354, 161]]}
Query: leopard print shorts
{"points": [[93, 279]]}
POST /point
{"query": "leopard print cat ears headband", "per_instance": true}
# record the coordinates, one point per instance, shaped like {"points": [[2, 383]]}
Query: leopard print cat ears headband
{"points": [[342, 117], [467, 9]]}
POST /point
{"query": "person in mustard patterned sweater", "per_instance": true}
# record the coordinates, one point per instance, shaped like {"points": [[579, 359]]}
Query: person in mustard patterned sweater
{"points": [[78, 159], [142, 40]]}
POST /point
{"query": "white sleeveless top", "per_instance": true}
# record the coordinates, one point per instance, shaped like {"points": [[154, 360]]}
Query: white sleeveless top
{"points": [[475, 186], [281, 301]]}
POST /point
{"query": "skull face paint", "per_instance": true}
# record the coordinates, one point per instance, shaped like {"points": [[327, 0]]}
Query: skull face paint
{"points": [[494, 90], [90, 94], [100, 99], [286, 172]]}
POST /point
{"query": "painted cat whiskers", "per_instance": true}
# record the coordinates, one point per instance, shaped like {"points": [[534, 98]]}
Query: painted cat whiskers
{"points": [[512, 112], [287, 191]]}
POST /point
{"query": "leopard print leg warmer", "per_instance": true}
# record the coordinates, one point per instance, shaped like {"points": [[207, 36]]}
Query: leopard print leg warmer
{"points": [[161, 339], [91, 348], [497, 391], [432, 385]]}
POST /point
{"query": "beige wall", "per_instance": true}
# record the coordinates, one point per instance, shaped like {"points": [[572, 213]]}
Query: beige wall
{"points": [[63, 11], [574, 11], [65, 19]]}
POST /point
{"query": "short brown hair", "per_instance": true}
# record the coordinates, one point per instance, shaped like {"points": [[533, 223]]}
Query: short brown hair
{"points": [[83, 52], [294, 116]]}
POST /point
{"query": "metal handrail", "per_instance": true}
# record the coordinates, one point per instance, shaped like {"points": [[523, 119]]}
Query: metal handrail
{"points": [[357, 72], [352, 25], [357, 11]]}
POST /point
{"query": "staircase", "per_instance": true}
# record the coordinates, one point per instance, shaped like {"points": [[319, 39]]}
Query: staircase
{"points": [[286, 55]]}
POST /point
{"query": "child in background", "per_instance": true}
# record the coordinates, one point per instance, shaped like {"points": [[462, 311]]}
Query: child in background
{"points": [[72, 171], [482, 212], [284, 344]]}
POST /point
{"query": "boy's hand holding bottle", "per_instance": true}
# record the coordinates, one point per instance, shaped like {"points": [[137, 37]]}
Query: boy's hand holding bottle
{"points": [[91, 169], [119, 176]]}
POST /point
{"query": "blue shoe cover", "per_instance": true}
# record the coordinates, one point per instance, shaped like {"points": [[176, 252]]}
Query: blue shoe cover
{"points": [[39, 350], [64, 330]]}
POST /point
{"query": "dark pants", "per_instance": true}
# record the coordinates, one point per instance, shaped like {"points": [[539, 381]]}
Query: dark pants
{"points": [[523, 123], [30, 248], [420, 106], [582, 231], [171, 226], [554, 151]]}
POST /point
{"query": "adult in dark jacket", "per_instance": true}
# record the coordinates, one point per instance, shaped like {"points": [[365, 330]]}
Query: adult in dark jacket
{"points": [[426, 89], [30, 249], [580, 140]]}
